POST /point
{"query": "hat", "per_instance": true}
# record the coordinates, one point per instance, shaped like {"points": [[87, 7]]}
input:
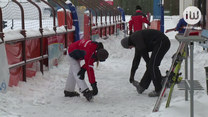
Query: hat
{"points": [[99, 46], [102, 54], [68, 2], [138, 7], [125, 42]]}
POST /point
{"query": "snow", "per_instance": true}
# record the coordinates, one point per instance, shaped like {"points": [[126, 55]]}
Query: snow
{"points": [[42, 95], [11, 35]]}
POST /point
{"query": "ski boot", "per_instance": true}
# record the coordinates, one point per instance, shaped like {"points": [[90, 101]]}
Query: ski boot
{"points": [[70, 94], [139, 88], [88, 94]]}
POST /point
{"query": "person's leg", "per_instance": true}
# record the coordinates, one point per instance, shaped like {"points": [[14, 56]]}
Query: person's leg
{"points": [[70, 83], [146, 80], [153, 68], [74, 69], [143, 84]]}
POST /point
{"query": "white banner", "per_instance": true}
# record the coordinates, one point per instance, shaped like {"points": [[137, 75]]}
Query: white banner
{"points": [[4, 71], [55, 50]]}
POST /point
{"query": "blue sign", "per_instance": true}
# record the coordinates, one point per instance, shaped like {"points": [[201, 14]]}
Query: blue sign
{"points": [[157, 9]]}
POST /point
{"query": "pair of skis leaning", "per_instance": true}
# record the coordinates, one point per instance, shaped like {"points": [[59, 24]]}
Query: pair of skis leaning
{"points": [[173, 75]]}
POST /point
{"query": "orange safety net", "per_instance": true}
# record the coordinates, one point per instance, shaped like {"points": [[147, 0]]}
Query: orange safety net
{"points": [[155, 24], [32, 51], [86, 26], [14, 55], [61, 22]]}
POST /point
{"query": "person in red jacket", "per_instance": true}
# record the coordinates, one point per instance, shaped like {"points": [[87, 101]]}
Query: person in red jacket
{"points": [[89, 51], [137, 20]]}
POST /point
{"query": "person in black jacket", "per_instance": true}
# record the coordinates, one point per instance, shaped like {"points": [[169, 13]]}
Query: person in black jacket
{"points": [[145, 41]]}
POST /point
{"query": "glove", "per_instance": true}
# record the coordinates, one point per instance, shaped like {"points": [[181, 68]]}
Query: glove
{"points": [[94, 89], [81, 73], [130, 32]]}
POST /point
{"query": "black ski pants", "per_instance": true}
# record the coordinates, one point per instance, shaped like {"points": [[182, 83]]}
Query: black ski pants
{"points": [[152, 72]]}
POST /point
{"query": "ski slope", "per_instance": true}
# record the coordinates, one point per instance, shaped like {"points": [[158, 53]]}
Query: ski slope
{"points": [[42, 95]]}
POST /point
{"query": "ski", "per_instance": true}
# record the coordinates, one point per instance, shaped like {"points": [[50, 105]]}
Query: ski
{"points": [[173, 73], [176, 79]]}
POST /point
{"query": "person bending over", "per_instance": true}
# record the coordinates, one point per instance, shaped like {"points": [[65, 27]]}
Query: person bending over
{"points": [[90, 52], [145, 41]]}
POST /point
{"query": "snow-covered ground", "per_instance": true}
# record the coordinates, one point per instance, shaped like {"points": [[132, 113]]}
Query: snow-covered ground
{"points": [[42, 95]]}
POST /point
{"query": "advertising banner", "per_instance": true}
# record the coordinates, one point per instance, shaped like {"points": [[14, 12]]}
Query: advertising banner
{"points": [[55, 50], [95, 34], [4, 71]]}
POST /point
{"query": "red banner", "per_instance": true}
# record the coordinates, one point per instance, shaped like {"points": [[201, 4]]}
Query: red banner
{"points": [[110, 2], [61, 22], [86, 26], [14, 55]]}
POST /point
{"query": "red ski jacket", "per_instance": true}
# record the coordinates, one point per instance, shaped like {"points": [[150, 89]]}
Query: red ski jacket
{"points": [[84, 50], [137, 21]]}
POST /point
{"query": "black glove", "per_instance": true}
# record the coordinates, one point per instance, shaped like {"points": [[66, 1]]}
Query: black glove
{"points": [[130, 32], [81, 73], [94, 89]]}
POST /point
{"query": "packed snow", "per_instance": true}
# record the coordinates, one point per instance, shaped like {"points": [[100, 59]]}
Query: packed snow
{"points": [[42, 95]]}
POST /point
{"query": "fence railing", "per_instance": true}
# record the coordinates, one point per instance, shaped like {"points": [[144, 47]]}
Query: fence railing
{"points": [[23, 27], [25, 34], [103, 10]]}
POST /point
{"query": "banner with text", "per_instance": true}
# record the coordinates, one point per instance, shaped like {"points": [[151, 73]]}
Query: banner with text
{"points": [[4, 71], [55, 49]]}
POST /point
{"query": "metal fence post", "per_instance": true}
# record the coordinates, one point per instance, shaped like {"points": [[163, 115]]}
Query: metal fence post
{"points": [[206, 71], [1, 28], [66, 41], [191, 79], [23, 32], [41, 31]]}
